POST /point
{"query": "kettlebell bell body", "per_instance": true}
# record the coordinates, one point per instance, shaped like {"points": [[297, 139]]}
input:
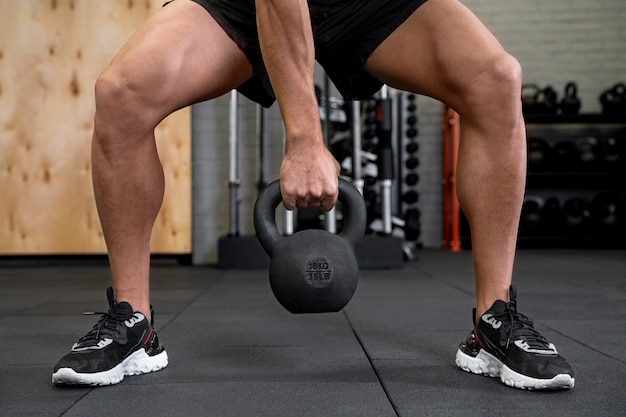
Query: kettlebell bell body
{"points": [[538, 154], [546, 101], [530, 219], [307, 278], [529, 92], [613, 100], [551, 216], [312, 271], [570, 103]]}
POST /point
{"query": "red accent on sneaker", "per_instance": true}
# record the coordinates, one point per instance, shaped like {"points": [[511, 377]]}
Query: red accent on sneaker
{"points": [[478, 341], [146, 343]]}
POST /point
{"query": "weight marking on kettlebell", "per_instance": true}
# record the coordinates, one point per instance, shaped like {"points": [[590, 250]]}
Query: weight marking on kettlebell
{"points": [[318, 272]]}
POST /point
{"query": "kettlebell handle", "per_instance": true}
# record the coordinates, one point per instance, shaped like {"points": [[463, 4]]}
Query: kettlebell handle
{"points": [[620, 90], [571, 89], [270, 197]]}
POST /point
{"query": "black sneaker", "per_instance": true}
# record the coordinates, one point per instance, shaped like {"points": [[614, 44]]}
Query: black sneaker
{"points": [[122, 343], [505, 344]]}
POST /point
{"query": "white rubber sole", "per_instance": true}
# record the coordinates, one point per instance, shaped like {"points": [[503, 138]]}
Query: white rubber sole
{"points": [[488, 365], [137, 363]]}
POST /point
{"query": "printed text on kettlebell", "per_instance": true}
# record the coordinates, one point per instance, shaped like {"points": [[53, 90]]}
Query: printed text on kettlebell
{"points": [[318, 273]]}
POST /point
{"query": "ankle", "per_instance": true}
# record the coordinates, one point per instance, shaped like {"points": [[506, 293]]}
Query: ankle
{"points": [[138, 304], [482, 307]]}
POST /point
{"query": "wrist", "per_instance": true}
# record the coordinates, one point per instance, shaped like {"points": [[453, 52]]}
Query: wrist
{"points": [[304, 135]]}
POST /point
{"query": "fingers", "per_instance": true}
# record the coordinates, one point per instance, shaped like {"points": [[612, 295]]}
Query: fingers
{"points": [[309, 177], [310, 196]]}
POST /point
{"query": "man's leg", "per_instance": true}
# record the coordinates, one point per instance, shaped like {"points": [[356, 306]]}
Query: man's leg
{"points": [[180, 56], [443, 51]]}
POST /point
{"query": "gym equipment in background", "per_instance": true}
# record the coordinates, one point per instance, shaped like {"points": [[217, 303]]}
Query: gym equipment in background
{"points": [[537, 100], [613, 100], [570, 103], [233, 250]]}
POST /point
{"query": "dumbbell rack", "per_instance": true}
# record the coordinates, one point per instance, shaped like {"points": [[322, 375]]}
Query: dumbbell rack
{"points": [[408, 153], [576, 183]]}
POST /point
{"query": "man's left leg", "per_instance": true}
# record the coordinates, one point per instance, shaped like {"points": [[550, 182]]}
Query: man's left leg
{"points": [[445, 52]]}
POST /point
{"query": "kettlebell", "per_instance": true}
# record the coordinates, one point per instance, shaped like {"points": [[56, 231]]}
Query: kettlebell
{"points": [[530, 218], [576, 214], [565, 156], [529, 92], [613, 100], [538, 154], [613, 155], [606, 210], [551, 215], [570, 104], [312, 271], [546, 101], [591, 153]]}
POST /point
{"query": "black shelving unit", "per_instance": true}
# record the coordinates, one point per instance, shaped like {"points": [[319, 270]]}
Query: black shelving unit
{"points": [[576, 183]]}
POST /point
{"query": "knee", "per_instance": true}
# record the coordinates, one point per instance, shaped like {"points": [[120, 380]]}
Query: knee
{"points": [[113, 94], [507, 76], [120, 103], [499, 88]]}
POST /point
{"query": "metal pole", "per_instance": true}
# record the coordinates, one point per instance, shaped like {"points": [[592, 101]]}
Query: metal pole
{"points": [[357, 175], [385, 159], [260, 126], [289, 214], [331, 217], [233, 180]]}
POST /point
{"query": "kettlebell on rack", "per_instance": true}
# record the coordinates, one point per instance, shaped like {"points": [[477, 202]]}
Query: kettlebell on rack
{"points": [[529, 92], [565, 156], [551, 215], [591, 154], [530, 218], [614, 157], [613, 100], [576, 215], [312, 271], [538, 154], [570, 104], [606, 210], [546, 101]]}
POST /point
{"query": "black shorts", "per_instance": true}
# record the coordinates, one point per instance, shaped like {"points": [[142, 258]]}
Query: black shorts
{"points": [[345, 33]]}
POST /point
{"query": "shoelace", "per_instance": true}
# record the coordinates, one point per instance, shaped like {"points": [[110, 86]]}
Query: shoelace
{"points": [[523, 327], [106, 326]]}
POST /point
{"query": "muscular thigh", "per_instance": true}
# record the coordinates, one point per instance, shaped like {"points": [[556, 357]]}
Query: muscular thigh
{"points": [[441, 50], [178, 57]]}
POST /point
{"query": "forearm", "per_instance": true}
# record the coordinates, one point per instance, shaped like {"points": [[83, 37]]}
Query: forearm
{"points": [[286, 41]]}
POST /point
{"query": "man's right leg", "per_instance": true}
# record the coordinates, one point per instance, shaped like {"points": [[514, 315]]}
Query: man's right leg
{"points": [[178, 57]]}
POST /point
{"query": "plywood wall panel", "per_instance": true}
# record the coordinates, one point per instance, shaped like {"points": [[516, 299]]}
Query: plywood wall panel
{"points": [[51, 52]]}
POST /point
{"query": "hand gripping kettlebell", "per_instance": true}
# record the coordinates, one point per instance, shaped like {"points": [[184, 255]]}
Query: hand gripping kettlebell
{"points": [[312, 271]]}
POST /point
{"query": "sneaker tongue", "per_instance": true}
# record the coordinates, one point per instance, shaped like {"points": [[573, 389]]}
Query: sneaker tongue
{"points": [[499, 307], [123, 310]]}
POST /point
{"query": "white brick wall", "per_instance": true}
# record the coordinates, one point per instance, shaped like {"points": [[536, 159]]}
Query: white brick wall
{"points": [[555, 41]]}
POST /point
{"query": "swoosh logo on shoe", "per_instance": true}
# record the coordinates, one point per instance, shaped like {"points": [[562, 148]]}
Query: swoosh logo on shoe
{"points": [[522, 344], [101, 345], [136, 318], [489, 318]]}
